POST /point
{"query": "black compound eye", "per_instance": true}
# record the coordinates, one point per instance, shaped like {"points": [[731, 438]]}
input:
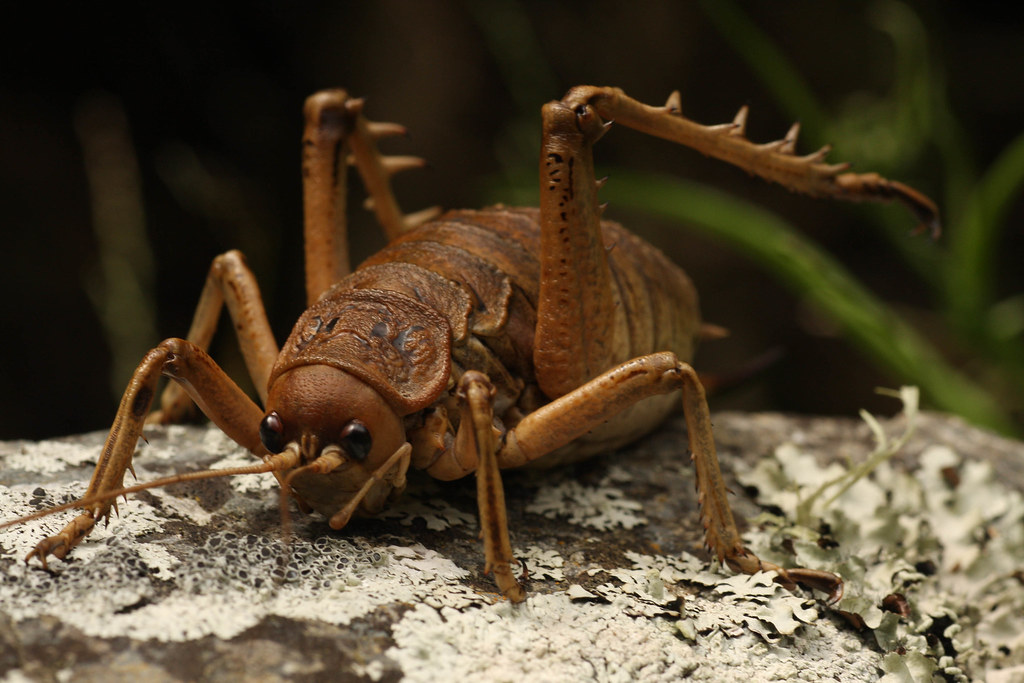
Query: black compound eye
{"points": [[272, 432], [356, 440]]}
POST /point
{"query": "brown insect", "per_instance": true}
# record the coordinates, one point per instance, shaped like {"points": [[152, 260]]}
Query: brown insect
{"points": [[474, 342]]}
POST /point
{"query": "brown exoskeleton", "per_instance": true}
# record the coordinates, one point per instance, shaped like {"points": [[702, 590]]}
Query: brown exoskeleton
{"points": [[475, 341]]}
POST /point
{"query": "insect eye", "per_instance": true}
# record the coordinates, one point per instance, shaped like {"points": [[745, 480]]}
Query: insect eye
{"points": [[272, 432], [356, 440]]}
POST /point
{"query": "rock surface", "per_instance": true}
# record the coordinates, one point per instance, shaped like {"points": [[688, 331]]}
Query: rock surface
{"points": [[193, 582]]}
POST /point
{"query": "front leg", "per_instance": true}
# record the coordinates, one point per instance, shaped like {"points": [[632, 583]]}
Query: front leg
{"points": [[212, 390], [229, 283]]}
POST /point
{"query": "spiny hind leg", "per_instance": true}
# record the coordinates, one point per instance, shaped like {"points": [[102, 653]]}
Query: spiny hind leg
{"points": [[774, 161], [581, 326], [581, 329], [338, 135]]}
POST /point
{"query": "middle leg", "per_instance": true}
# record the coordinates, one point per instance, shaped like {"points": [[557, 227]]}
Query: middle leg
{"points": [[571, 416]]}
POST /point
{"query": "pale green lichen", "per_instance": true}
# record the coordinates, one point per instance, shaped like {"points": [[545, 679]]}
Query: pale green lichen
{"points": [[944, 537], [656, 587], [856, 472]]}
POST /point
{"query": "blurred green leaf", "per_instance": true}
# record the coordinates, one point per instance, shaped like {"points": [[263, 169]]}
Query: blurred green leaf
{"points": [[894, 132], [973, 243], [770, 65], [908, 131], [815, 275]]}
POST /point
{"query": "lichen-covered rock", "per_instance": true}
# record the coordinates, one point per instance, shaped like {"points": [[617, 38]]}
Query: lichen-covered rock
{"points": [[197, 582]]}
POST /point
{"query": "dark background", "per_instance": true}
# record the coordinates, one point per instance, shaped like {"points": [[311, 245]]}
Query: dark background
{"points": [[212, 103]]}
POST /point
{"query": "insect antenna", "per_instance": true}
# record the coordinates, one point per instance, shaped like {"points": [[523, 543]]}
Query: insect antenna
{"points": [[274, 463]]}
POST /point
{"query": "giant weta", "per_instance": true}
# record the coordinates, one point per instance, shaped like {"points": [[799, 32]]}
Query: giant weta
{"points": [[476, 341]]}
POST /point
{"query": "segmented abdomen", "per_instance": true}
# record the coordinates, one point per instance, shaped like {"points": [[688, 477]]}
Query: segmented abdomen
{"points": [[482, 272]]}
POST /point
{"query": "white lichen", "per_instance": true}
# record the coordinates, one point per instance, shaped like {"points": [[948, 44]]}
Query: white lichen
{"points": [[945, 534], [946, 537], [600, 507]]}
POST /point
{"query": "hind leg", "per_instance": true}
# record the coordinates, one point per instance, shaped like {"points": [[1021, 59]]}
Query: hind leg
{"points": [[336, 135]]}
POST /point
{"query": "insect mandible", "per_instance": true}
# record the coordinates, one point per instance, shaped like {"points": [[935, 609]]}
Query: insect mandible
{"points": [[475, 341]]}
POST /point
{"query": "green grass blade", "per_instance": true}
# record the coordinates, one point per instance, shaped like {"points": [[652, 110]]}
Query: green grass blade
{"points": [[974, 240], [812, 273], [772, 67]]}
